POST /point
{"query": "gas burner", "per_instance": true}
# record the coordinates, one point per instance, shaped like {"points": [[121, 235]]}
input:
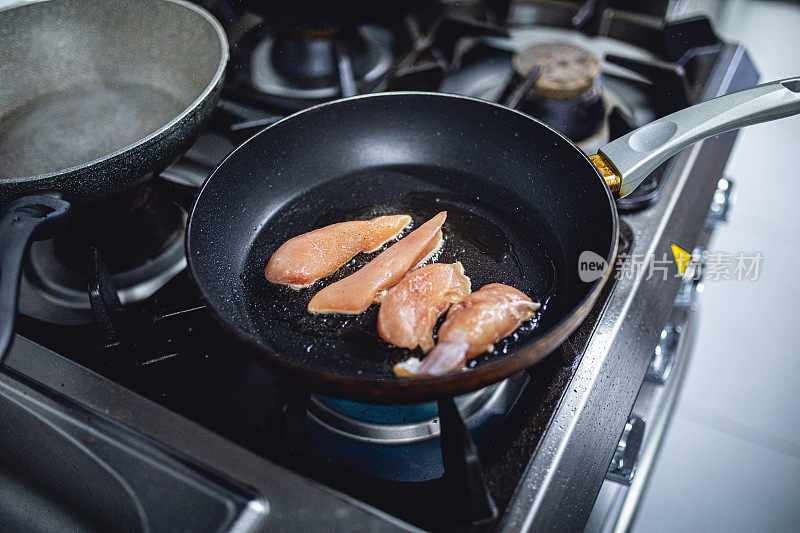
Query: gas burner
{"points": [[319, 64], [566, 91], [312, 456], [566, 70], [401, 442], [139, 239]]}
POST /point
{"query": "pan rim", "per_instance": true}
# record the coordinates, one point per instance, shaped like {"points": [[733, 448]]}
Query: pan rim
{"points": [[428, 387], [210, 87]]}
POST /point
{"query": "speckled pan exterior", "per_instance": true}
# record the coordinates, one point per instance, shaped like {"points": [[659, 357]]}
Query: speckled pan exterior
{"points": [[58, 47]]}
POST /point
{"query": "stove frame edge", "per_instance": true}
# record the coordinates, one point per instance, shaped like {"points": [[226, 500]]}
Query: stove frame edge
{"points": [[563, 478]]}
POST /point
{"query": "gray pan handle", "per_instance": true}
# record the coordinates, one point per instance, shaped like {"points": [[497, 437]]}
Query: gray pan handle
{"points": [[635, 155]]}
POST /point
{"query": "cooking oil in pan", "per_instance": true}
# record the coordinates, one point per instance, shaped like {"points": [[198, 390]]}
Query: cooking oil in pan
{"points": [[483, 233]]}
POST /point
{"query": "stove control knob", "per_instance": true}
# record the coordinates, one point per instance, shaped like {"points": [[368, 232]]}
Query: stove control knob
{"points": [[720, 204], [664, 357], [623, 465], [692, 284]]}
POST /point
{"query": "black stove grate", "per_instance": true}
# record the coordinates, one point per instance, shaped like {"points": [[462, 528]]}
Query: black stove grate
{"points": [[168, 348]]}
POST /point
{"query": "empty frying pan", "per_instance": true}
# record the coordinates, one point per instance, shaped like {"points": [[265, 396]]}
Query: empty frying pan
{"points": [[96, 95], [523, 203]]}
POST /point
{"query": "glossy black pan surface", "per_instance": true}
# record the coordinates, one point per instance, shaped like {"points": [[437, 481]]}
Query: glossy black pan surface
{"points": [[523, 203]]}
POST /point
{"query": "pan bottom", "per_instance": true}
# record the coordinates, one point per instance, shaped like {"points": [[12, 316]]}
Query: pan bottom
{"points": [[495, 240], [68, 128]]}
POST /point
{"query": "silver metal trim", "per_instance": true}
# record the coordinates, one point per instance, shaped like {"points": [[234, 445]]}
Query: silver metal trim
{"points": [[616, 507], [635, 155], [471, 406], [623, 465], [656, 430], [722, 203], [664, 357]]}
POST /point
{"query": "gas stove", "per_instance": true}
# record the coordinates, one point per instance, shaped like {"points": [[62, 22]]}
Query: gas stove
{"points": [[127, 348]]}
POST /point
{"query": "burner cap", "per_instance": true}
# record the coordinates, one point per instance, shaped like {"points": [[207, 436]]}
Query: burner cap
{"points": [[568, 71], [291, 68]]}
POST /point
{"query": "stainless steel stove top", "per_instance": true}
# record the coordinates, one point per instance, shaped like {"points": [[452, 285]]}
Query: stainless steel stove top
{"points": [[176, 384]]}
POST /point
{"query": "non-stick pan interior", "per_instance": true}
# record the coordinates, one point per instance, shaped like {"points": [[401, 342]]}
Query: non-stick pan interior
{"points": [[522, 204], [82, 80], [492, 246]]}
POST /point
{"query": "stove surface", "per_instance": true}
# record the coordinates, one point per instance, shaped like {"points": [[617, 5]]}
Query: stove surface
{"points": [[546, 436]]}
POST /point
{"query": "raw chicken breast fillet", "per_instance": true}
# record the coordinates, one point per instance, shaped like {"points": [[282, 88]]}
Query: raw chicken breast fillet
{"points": [[410, 309], [353, 294], [304, 259], [471, 328]]}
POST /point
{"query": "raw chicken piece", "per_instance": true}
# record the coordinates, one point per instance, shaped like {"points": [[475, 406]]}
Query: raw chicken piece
{"points": [[353, 294], [304, 259], [471, 328], [410, 309]]}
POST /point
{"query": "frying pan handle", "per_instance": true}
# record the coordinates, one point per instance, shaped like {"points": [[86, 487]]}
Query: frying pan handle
{"points": [[23, 221], [632, 157]]}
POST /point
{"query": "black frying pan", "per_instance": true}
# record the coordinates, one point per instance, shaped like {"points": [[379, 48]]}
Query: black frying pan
{"points": [[96, 95], [523, 203]]}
